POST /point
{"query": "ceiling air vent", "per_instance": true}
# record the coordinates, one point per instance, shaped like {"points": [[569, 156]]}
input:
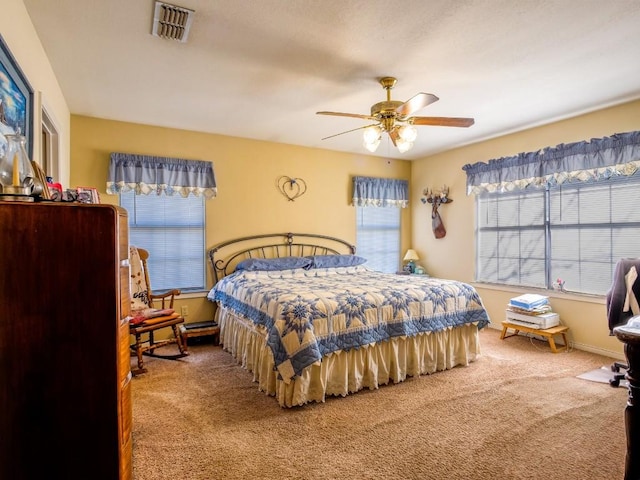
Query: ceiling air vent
{"points": [[172, 22]]}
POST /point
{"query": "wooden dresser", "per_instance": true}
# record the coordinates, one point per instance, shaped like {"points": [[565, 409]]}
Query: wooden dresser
{"points": [[65, 381]]}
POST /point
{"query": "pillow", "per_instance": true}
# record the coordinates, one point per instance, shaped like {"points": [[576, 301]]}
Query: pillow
{"points": [[327, 261], [268, 264], [149, 313]]}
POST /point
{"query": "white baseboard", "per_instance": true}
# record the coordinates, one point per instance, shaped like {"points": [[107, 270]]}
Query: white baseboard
{"points": [[599, 351]]}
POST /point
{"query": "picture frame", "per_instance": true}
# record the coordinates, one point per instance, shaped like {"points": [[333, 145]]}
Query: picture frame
{"points": [[16, 100], [88, 195]]}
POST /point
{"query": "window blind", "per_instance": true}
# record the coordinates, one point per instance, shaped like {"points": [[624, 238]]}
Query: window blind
{"points": [[378, 237], [171, 228], [576, 232]]}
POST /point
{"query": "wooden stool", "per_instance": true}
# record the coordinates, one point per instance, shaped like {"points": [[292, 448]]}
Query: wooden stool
{"points": [[548, 333], [200, 329]]}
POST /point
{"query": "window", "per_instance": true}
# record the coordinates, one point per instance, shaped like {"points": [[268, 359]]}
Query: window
{"points": [[171, 228], [378, 202], [169, 225], [378, 237], [576, 232]]}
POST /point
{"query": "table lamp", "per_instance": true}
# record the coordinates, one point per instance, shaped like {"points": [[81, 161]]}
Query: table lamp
{"points": [[411, 256]]}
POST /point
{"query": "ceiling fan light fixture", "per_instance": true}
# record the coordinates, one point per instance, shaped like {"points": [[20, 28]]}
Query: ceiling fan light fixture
{"points": [[371, 134], [403, 145], [371, 137], [408, 133], [372, 146]]}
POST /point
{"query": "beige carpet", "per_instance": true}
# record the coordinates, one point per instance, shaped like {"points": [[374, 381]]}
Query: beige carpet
{"points": [[518, 412]]}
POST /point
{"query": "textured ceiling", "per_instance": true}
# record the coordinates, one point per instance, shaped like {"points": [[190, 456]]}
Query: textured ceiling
{"points": [[262, 69]]}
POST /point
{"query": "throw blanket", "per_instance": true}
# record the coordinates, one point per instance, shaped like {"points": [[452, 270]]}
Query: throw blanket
{"points": [[311, 313]]}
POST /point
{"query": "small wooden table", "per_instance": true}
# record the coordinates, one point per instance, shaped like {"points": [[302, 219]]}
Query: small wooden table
{"points": [[200, 329], [548, 333]]}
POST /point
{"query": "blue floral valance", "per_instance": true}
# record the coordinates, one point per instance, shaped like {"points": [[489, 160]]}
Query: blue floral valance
{"points": [[598, 159], [146, 174], [380, 192]]}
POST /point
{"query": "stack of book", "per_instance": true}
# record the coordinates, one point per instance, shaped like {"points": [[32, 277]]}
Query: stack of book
{"points": [[530, 304], [533, 311]]}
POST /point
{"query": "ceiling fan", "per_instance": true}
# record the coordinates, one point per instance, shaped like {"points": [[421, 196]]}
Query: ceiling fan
{"points": [[394, 117]]}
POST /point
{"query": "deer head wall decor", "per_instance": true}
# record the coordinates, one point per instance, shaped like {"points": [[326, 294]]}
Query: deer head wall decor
{"points": [[436, 199]]}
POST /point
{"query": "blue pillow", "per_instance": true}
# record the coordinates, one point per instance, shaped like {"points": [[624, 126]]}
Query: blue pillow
{"points": [[328, 261], [269, 264]]}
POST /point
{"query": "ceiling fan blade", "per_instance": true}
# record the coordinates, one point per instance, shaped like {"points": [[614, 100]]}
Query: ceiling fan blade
{"points": [[415, 103], [393, 133], [349, 131], [442, 121], [354, 115]]}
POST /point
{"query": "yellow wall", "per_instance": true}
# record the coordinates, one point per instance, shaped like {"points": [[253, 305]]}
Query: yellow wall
{"points": [[248, 201], [454, 255], [24, 44]]}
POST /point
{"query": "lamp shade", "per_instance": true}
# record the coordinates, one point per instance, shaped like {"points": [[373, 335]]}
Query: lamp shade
{"points": [[411, 255], [403, 145], [371, 134], [372, 146], [371, 137], [408, 133]]}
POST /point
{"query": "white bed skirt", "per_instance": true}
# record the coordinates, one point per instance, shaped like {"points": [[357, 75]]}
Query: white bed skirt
{"points": [[345, 372]]}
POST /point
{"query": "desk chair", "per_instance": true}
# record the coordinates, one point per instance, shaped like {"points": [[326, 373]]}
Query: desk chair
{"points": [[147, 317], [623, 303]]}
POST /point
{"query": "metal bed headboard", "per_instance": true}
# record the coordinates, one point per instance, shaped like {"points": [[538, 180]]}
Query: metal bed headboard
{"points": [[226, 255]]}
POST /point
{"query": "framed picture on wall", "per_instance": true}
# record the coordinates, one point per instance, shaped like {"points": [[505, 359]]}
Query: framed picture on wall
{"points": [[16, 100]]}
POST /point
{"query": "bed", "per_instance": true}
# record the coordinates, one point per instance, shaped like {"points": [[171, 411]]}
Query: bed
{"points": [[310, 319]]}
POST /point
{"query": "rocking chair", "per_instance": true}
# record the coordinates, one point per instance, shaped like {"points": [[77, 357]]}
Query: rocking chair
{"points": [[147, 318]]}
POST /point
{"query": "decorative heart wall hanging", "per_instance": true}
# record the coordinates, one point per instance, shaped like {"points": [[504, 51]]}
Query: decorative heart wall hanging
{"points": [[291, 188]]}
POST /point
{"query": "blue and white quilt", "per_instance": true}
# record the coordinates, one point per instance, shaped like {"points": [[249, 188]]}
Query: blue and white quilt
{"points": [[311, 313]]}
